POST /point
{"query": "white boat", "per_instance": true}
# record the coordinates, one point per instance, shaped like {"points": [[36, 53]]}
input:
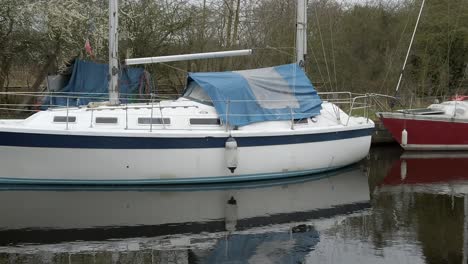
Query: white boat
{"points": [[231, 126]]}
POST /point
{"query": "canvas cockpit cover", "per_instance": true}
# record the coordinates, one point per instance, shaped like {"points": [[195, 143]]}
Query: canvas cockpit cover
{"points": [[266, 94], [89, 83]]}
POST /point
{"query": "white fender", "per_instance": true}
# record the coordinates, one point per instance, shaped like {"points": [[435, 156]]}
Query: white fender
{"points": [[230, 154], [404, 137]]}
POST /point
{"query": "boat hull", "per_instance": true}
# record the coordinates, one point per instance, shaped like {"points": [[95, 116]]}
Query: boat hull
{"points": [[201, 161], [427, 132]]}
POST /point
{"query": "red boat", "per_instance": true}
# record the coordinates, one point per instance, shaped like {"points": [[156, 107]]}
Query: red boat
{"points": [[441, 126]]}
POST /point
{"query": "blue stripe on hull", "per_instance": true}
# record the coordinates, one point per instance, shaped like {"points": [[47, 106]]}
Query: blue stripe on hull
{"points": [[109, 142], [196, 180]]}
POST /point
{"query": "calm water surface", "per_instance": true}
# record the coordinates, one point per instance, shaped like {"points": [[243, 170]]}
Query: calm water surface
{"points": [[393, 207]]}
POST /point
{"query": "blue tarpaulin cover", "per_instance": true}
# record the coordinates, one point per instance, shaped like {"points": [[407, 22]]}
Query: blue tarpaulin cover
{"points": [[89, 77], [282, 247], [266, 94]]}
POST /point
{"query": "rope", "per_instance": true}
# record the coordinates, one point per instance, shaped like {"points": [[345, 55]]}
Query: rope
{"points": [[174, 67], [280, 51]]}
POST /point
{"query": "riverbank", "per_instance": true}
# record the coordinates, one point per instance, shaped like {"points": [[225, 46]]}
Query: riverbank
{"points": [[381, 135]]}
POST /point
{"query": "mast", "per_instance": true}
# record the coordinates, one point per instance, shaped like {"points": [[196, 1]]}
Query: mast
{"points": [[409, 48], [113, 49], [301, 32]]}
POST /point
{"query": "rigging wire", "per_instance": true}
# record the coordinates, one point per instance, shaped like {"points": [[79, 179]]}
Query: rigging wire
{"points": [[323, 47], [333, 50], [448, 45], [318, 66], [465, 71], [463, 78], [335, 108], [409, 48], [451, 39], [395, 52], [295, 35]]}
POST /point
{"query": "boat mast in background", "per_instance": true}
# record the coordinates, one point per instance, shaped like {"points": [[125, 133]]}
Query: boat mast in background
{"points": [[113, 50], [301, 32], [409, 48]]}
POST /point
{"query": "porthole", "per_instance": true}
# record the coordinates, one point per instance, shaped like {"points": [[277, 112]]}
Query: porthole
{"points": [[63, 119], [106, 120], [154, 121], [205, 121]]}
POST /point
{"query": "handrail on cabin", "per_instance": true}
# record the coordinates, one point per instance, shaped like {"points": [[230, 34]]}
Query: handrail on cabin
{"points": [[350, 99]]}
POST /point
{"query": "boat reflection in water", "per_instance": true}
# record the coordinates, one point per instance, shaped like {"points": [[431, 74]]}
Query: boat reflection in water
{"points": [[429, 170], [252, 222], [428, 197]]}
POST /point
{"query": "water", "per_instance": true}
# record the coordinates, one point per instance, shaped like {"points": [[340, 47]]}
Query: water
{"points": [[393, 207]]}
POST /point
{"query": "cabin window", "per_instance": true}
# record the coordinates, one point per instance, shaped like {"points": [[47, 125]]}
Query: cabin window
{"points": [[205, 121], [63, 119], [106, 120], [301, 121], [154, 121]]}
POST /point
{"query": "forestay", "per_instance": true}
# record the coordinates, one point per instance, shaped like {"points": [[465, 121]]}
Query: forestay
{"points": [[244, 97]]}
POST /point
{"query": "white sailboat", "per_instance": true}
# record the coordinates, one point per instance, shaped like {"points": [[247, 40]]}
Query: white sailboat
{"points": [[230, 126]]}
